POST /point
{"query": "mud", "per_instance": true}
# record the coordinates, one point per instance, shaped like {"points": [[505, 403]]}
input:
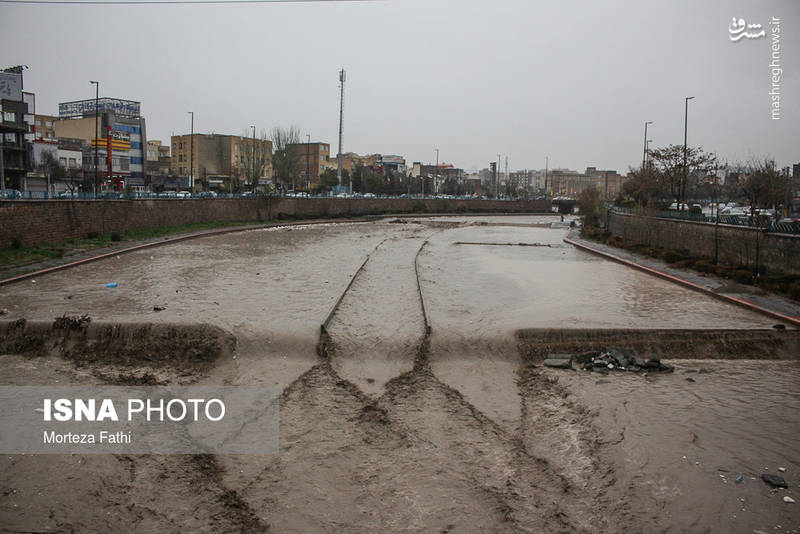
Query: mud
{"points": [[386, 427]]}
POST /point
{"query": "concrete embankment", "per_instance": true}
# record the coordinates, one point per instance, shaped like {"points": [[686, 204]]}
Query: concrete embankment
{"points": [[758, 344], [50, 221]]}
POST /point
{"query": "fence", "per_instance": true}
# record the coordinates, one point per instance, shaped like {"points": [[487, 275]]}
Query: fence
{"points": [[763, 222]]}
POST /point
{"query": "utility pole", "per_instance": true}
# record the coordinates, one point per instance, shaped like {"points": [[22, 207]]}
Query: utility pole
{"points": [[682, 192], [497, 179], [342, 78], [308, 164], [546, 164], [96, 141], [436, 176], [191, 153], [644, 156], [253, 158]]}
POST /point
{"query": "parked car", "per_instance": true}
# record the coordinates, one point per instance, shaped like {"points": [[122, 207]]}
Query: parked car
{"points": [[10, 194], [183, 194], [207, 194]]}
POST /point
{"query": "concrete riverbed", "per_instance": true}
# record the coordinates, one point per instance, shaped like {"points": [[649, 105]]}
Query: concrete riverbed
{"points": [[386, 428]]}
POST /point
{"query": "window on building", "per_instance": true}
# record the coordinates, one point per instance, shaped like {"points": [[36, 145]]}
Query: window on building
{"points": [[48, 124], [124, 164], [73, 163], [38, 123], [62, 162], [9, 116]]}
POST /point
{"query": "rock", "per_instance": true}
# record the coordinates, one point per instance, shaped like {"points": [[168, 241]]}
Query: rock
{"points": [[4, 311], [788, 499], [601, 370], [690, 379], [774, 480], [558, 363], [779, 326], [159, 308], [781, 469], [559, 357]]}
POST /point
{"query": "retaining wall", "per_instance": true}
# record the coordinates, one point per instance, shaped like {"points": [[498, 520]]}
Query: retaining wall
{"points": [[48, 221], [737, 245]]}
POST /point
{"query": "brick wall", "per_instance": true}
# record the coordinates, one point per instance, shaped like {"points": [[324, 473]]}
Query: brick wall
{"points": [[736, 244], [47, 221]]}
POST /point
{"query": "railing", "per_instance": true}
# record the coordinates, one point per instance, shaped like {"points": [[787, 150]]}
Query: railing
{"points": [[759, 221]]}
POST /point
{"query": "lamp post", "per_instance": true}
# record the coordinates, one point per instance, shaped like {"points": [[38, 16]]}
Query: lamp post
{"points": [[436, 176], [685, 170], [191, 154], [96, 141], [308, 164], [644, 156], [253, 159]]}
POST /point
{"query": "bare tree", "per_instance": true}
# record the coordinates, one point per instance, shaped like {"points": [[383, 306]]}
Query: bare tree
{"points": [[256, 158], [285, 162], [672, 176]]}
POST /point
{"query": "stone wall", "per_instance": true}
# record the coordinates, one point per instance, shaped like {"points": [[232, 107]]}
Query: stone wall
{"points": [[737, 245], [49, 221]]}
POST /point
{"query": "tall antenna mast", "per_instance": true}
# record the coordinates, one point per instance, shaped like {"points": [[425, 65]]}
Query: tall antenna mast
{"points": [[342, 77]]}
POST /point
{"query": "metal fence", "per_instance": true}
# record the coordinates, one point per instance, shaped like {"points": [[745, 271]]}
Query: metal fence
{"points": [[759, 221]]}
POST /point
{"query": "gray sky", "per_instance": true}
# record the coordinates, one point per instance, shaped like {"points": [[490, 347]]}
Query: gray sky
{"points": [[572, 80]]}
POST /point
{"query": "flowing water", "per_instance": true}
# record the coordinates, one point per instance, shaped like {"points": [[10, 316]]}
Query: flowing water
{"points": [[389, 429]]}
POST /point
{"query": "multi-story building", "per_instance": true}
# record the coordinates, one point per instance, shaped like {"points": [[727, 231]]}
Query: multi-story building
{"points": [[115, 132], [16, 129], [221, 162], [45, 126], [608, 183], [312, 160]]}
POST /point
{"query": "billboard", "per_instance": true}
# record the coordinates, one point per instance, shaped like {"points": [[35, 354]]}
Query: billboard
{"points": [[79, 108], [10, 85]]}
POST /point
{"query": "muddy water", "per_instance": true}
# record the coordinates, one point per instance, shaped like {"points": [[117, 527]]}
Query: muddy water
{"points": [[463, 436], [682, 444]]}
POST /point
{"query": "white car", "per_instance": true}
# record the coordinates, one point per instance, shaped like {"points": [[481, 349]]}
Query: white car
{"points": [[183, 194]]}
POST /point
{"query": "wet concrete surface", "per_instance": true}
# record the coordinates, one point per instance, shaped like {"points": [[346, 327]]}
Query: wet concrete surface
{"points": [[387, 430]]}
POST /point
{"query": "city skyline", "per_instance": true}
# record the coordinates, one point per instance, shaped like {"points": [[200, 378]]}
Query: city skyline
{"points": [[528, 82]]}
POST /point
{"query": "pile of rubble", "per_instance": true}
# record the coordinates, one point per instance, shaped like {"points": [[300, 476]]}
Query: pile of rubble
{"points": [[612, 359]]}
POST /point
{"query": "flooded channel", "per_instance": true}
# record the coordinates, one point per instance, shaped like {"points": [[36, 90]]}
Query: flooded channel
{"points": [[385, 428]]}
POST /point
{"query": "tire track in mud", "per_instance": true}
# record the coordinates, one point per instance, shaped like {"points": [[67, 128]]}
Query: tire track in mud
{"points": [[418, 456]]}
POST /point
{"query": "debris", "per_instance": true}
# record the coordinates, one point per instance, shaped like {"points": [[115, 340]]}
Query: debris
{"points": [[788, 499], [72, 322], [690, 379], [4, 311], [739, 479], [559, 361], [782, 469], [111, 284], [159, 308], [774, 480], [779, 326]]}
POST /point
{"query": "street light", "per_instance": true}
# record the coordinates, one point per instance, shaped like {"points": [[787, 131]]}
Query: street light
{"points": [[644, 157], [96, 142], [308, 164], [685, 170], [191, 155], [436, 176], [253, 158]]}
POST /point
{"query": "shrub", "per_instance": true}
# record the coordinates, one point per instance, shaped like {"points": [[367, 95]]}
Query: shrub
{"points": [[115, 236], [743, 276], [92, 235], [672, 256], [705, 266], [16, 242], [794, 290]]}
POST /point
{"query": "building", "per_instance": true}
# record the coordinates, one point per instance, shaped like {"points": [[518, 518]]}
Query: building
{"points": [[608, 183], [220, 162], [158, 161], [45, 126], [116, 132], [312, 160], [16, 129]]}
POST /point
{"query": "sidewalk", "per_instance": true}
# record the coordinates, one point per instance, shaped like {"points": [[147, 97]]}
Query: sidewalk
{"points": [[751, 297]]}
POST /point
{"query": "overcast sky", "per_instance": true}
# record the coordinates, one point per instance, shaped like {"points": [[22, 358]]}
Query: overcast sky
{"points": [[571, 80]]}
